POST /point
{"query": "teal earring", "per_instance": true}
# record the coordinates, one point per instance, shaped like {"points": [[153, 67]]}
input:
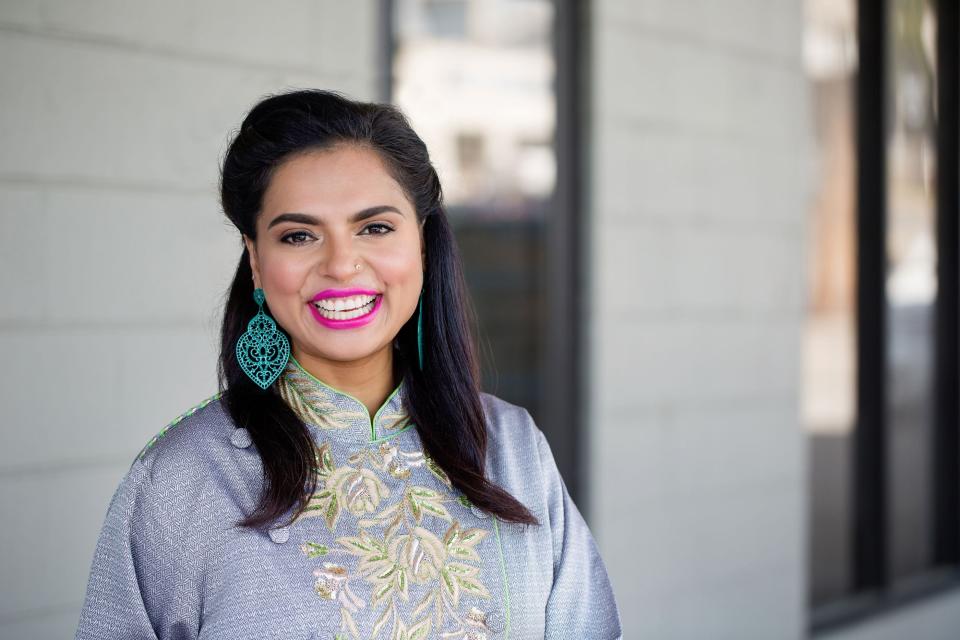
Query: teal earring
{"points": [[263, 350], [420, 329]]}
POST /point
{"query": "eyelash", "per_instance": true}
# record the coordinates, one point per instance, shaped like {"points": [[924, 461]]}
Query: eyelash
{"points": [[287, 238]]}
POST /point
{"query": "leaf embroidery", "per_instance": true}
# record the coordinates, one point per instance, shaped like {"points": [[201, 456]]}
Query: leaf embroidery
{"points": [[314, 407], [384, 523], [395, 421], [438, 472], [392, 551]]}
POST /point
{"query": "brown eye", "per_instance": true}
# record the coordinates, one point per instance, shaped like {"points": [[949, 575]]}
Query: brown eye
{"points": [[296, 237], [384, 229]]}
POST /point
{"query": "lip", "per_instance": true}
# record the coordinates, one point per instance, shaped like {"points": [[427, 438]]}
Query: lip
{"points": [[352, 323], [343, 293]]}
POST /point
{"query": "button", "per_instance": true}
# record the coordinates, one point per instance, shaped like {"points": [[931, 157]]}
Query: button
{"points": [[240, 438], [495, 621], [280, 534], [477, 511]]}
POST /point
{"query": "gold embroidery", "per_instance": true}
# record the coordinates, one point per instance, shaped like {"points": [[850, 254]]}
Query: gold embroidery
{"points": [[395, 421], [314, 407], [393, 551]]}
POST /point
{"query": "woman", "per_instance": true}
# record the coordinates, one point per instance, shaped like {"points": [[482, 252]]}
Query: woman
{"points": [[350, 480]]}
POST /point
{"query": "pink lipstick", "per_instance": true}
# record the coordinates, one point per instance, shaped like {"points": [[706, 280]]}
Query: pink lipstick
{"points": [[350, 323], [343, 293]]}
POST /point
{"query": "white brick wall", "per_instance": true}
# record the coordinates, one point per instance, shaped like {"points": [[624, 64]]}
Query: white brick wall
{"points": [[698, 192], [113, 252]]}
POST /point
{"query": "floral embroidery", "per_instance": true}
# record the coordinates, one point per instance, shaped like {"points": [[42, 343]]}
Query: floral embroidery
{"points": [[477, 619], [393, 550], [397, 553]]}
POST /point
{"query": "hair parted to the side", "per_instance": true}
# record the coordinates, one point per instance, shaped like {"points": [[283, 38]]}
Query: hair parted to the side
{"points": [[443, 400]]}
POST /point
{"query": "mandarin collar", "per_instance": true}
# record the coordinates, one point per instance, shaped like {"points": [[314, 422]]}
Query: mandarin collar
{"points": [[336, 414]]}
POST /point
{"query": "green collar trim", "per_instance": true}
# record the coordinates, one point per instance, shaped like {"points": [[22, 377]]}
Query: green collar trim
{"points": [[339, 413]]}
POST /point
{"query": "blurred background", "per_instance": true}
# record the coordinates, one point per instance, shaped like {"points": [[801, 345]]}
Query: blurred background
{"points": [[713, 247]]}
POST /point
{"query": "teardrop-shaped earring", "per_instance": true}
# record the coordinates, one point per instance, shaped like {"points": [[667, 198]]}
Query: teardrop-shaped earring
{"points": [[263, 350]]}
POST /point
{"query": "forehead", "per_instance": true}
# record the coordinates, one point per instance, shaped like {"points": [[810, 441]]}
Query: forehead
{"points": [[332, 183]]}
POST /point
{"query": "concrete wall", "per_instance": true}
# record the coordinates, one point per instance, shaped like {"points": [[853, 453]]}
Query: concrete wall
{"points": [[699, 191], [113, 251]]}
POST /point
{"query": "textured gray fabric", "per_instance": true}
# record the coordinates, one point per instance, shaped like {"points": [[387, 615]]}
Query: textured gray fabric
{"points": [[170, 563]]}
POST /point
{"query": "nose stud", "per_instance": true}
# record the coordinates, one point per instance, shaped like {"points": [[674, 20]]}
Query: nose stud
{"points": [[358, 266]]}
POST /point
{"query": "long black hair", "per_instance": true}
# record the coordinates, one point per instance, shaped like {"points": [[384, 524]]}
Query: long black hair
{"points": [[442, 400]]}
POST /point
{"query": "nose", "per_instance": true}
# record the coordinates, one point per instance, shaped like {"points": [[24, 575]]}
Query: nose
{"points": [[341, 257]]}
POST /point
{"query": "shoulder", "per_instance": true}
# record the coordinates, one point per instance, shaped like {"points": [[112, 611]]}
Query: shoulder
{"points": [[515, 447], [187, 443], [508, 423], [170, 510], [192, 477]]}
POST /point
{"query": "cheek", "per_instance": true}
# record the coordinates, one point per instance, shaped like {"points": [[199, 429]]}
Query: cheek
{"points": [[282, 276], [400, 268]]}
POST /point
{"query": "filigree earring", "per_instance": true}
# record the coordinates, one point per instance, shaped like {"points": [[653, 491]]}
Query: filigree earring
{"points": [[263, 350]]}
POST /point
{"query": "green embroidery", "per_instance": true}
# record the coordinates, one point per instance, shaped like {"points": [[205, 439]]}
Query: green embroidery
{"points": [[503, 571], [399, 540], [311, 398], [437, 471], [315, 408], [391, 550], [314, 550], [173, 423]]}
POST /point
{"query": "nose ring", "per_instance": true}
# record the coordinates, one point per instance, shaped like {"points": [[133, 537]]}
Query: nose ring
{"points": [[358, 266]]}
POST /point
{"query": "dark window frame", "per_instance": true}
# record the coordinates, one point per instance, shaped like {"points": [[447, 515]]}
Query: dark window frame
{"points": [[874, 591]]}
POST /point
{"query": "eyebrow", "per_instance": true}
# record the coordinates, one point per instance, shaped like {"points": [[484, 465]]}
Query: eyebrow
{"points": [[305, 218]]}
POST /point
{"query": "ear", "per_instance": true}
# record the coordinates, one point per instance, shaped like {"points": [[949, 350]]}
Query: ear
{"points": [[254, 266]]}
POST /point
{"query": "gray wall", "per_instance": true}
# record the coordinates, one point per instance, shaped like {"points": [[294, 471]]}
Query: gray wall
{"points": [[699, 188], [113, 250]]}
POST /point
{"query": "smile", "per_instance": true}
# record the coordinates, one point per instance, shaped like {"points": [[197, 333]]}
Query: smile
{"points": [[346, 312], [345, 308]]}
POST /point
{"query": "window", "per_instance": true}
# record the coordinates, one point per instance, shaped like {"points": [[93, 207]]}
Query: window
{"points": [[479, 81], [880, 396], [829, 372]]}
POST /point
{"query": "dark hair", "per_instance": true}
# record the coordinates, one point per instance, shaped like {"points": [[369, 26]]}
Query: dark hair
{"points": [[442, 400]]}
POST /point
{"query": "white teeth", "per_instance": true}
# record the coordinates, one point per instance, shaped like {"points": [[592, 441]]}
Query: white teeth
{"points": [[339, 314], [343, 304]]}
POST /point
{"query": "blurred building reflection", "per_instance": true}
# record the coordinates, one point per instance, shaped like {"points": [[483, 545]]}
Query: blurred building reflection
{"points": [[829, 346], [830, 376], [455, 64]]}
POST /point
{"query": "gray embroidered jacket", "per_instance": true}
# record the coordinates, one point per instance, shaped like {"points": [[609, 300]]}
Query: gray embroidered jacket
{"points": [[387, 548]]}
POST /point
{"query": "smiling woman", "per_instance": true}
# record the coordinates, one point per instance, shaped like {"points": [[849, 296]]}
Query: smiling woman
{"points": [[308, 238], [350, 479]]}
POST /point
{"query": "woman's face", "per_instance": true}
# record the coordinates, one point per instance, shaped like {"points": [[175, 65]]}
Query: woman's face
{"points": [[324, 213]]}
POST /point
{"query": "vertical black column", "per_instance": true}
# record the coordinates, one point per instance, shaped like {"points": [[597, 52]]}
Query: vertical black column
{"points": [[564, 381], [946, 434], [869, 529]]}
